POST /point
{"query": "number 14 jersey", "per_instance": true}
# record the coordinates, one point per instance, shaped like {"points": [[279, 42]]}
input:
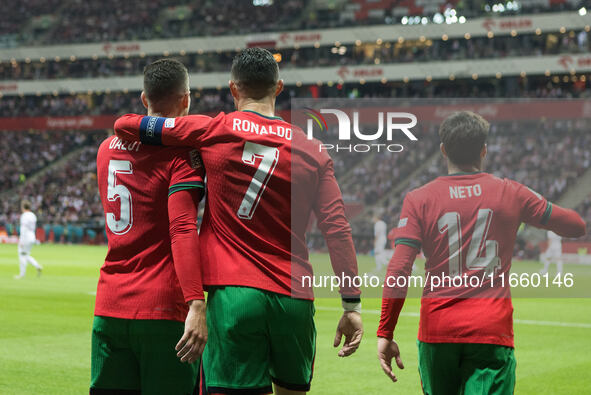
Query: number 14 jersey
{"points": [[466, 225]]}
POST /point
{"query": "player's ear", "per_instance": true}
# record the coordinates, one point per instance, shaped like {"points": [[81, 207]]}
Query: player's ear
{"points": [[279, 88], [234, 89], [144, 99], [186, 100], [442, 148], [483, 152]]}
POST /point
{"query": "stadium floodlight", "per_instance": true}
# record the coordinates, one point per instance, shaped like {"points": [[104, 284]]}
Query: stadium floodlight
{"points": [[438, 18], [262, 3]]}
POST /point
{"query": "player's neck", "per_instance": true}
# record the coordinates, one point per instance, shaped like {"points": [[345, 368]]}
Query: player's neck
{"points": [[454, 169], [263, 107], [164, 113]]}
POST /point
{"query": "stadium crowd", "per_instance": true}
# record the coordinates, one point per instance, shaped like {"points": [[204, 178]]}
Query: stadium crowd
{"points": [[74, 21], [60, 193], [388, 52], [213, 100], [24, 153]]}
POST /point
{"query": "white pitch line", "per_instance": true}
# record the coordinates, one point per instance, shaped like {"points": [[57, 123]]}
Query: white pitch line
{"points": [[91, 293], [517, 321]]}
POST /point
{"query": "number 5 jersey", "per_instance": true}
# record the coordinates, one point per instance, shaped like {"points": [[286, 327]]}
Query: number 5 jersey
{"points": [[139, 277]]}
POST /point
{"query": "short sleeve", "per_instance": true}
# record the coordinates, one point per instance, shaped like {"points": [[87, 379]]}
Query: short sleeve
{"points": [[186, 171], [409, 229], [535, 209]]}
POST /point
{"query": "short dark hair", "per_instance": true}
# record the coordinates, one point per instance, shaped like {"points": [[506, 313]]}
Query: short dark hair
{"points": [[164, 78], [26, 205], [255, 71], [463, 135]]}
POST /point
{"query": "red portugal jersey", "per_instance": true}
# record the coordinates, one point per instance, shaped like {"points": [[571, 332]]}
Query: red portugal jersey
{"points": [[138, 279], [264, 180], [466, 225]]}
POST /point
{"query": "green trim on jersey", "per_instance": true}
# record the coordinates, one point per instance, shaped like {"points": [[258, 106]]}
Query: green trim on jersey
{"points": [[264, 116], [547, 214], [181, 186], [409, 242]]}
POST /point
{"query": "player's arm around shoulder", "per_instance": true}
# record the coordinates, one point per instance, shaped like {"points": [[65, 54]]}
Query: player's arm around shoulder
{"points": [[188, 130]]}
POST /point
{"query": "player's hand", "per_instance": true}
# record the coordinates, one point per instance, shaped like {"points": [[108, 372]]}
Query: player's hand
{"points": [[388, 349], [191, 345], [351, 327]]}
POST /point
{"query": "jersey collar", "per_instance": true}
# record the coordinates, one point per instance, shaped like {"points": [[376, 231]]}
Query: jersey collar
{"points": [[462, 173], [261, 115]]}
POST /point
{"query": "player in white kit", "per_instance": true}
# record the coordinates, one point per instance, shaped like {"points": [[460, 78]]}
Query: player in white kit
{"points": [[382, 255], [553, 253], [27, 239]]}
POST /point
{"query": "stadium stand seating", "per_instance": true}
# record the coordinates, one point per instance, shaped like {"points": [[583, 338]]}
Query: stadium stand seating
{"points": [[425, 50], [74, 21]]}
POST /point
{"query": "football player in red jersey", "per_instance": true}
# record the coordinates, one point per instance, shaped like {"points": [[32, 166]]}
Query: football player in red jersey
{"points": [[265, 179], [151, 281], [466, 224]]}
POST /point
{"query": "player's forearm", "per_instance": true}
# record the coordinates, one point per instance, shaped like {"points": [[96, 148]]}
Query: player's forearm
{"points": [[393, 297], [127, 127], [391, 309], [344, 264], [182, 131], [566, 222], [332, 222], [182, 211]]}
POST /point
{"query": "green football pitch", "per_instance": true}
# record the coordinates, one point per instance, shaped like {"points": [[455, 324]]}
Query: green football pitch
{"points": [[45, 334]]}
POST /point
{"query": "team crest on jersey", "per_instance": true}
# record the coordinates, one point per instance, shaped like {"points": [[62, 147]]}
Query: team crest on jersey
{"points": [[169, 123], [195, 158], [402, 222]]}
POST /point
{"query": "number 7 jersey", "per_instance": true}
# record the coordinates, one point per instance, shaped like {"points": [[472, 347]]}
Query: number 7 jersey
{"points": [[466, 225], [264, 180]]}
